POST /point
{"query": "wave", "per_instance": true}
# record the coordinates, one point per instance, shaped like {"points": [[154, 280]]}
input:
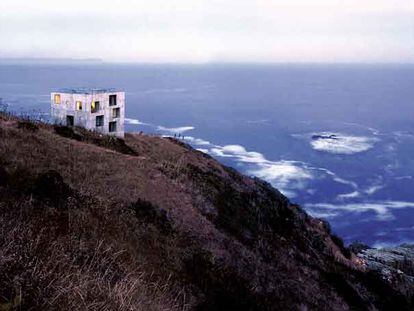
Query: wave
{"points": [[166, 90], [335, 177], [170, 130], [203, 150], [351, 195], [196, 141], [287, 176], [383, 209], [340, 143], [261, 121], [135, 122], [175, 130], [371, 190]]}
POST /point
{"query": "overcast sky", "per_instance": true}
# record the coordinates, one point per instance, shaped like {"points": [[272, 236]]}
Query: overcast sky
{"points": [[210, 30]]}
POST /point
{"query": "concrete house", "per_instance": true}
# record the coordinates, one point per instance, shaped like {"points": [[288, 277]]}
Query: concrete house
{"points": [[101, 110]]}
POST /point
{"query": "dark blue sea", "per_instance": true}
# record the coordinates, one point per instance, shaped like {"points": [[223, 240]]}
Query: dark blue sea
{"points": [[337, 139]]}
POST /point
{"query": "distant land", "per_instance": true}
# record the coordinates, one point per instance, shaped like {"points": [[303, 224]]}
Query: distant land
{"points": [[24, 60]]}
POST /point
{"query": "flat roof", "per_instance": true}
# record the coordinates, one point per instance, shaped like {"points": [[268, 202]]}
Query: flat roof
{"points": [[87, 90]]}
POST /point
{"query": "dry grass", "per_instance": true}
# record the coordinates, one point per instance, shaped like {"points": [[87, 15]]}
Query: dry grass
{"points": [[44, 270], [86, 226], [76, 255]]}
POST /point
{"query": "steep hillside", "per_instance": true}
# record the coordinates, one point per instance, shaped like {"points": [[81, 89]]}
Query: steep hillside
{"points": [[148, 223]]}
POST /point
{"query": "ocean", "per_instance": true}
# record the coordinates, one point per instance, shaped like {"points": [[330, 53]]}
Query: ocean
{"points": [[337, 139]]}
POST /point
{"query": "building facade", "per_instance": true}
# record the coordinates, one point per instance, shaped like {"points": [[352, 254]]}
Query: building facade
{"points": [[101, 110]]}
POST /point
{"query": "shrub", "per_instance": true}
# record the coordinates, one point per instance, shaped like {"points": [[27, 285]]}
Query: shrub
{"points": [[28, 125], [340, 243], [67, 132], [148, 212]]}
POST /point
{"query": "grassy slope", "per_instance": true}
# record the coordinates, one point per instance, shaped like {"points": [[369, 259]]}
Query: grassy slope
{"points": [[93, 223]]}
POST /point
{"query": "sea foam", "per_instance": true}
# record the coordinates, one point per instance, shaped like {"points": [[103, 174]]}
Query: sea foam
{"points": [[340, 143]]}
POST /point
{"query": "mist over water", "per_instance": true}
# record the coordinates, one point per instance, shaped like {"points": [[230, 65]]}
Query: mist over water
{"points": [[338, 139]]}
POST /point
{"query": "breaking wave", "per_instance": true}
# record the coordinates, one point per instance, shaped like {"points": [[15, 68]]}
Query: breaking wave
{"points": [[135, 122], [383, 209], [287, 176], [175, 130], [340, 143]]}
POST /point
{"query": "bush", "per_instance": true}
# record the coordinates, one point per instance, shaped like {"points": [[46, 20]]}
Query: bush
{"points": [[152, 214], [105, 141], [340, 243], [28, 125], [68, 132], [51, 187]]}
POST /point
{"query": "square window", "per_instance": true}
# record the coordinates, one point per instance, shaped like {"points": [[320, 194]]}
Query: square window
{"points": [[112, 100], [116, 112], [70, 120], [95, 106], [112, 126], [78, 105], [99, 121], [57, 99]]}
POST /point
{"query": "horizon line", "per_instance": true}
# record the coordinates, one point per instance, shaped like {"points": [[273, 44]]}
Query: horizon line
{"points": [[93, 60]]}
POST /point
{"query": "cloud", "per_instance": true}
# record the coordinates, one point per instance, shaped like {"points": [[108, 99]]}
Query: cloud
{"points": [[202, 31]]}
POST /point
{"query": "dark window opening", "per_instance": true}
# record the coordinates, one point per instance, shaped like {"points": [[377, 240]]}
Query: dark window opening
{"points": [[116, 112], [112, 100], [99, 120], [112, 126], [70, 120]]}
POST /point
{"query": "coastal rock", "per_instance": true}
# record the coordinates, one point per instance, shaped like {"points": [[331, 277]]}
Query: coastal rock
{"points": [[395, 265]]}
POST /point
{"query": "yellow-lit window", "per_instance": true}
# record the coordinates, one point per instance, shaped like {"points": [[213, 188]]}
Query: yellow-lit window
{"points": [[57, 99], [78, 105], [95, 106]]}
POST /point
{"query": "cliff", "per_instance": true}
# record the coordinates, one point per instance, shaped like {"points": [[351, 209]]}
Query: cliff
{"points": [[148, 223]]}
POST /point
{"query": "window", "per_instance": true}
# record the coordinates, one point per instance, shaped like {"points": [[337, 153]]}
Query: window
{"points": [[116, 112], [112, 100], [95, 106], [78, 105], [112, 126], [69, 120], [99, 121], [57, 99]]}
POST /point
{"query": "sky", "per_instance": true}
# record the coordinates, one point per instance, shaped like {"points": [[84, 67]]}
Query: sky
{"points": [[201, 31]]}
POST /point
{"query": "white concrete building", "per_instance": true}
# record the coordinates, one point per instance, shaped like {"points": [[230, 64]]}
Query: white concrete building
{"points": [[101, 110]]}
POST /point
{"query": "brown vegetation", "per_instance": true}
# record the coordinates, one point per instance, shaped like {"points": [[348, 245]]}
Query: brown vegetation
{"points": [[89, 222]]}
